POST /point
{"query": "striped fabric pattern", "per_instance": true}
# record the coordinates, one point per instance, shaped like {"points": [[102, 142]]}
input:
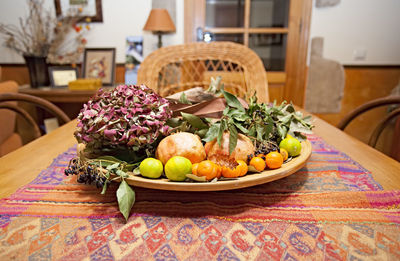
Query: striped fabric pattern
{"points": [[332, 209]]}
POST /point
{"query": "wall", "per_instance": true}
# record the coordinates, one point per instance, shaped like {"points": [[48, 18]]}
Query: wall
{"points": [[370, 25], [120, 19]]}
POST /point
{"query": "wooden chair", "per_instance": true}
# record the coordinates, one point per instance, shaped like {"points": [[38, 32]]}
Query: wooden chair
{"points": [[390, 100], [7, 101], [176, 68]]}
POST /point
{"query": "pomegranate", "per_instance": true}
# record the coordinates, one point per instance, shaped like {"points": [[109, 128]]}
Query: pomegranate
{"points": [[243, 148], [183, 144]]}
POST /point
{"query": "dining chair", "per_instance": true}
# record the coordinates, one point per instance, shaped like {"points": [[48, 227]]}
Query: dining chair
{"points": [[8, 99], [177, 68], [380, 126]]}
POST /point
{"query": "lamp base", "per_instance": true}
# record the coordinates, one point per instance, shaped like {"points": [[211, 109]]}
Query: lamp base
{"points": [[159, 45]]}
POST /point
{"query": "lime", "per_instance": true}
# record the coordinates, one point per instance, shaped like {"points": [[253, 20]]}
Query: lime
{"points": [[291, 145], [177, 167], [151, 168]]}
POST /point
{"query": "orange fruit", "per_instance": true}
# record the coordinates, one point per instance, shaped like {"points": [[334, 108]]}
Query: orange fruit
{"points": [[194, 168], [274, 160], [228, 172], [284, 153], [258, 163], [208, 169], [243, 167]]}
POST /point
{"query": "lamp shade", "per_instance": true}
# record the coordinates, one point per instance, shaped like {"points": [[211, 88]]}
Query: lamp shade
{"points": [[159, 20]]}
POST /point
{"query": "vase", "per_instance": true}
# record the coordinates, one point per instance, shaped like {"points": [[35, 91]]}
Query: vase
{"points": [[38, 73]]}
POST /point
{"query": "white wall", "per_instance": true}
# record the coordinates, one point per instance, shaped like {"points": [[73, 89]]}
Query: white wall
{"points": [[121, 18], [370, 25]]}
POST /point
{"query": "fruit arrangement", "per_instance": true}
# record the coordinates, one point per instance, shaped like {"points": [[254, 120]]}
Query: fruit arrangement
{"points": [[130, 131]]}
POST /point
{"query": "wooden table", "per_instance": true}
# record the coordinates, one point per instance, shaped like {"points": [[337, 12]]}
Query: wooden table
{"points": [[23, 165]]}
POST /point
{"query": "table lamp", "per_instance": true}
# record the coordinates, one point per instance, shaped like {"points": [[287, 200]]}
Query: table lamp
{"points": [[159, 22]]}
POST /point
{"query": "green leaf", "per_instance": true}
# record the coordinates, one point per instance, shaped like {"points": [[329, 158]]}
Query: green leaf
{"points": [[241, 128], [260, 131], [126, 198], [285, 119], [103, 191], [222, 127], [174, 122], [252, 131], [232, 101], [298, 127], [212, 133], [122, 174], [201, 133], [183, 99], [282, 130], [233, 136], [194, 120], [113, 166]]}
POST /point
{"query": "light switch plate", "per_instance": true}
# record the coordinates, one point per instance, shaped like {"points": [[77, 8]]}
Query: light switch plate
{"points": [[360, 54]]}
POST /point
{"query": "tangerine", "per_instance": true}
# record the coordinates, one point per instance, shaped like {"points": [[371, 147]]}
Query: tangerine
{"points": [[194, 168], [243, 167], [208, 169], [229, 172], [258, 163], [284, 153], [274, 160]]}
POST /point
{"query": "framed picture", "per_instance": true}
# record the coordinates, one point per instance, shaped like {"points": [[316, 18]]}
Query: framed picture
{"points": [[99, 63], [61, 76], [133, 58], [90, 8]]}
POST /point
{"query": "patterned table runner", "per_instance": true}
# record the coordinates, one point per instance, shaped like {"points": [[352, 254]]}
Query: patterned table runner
{"points": [[332, 209]]}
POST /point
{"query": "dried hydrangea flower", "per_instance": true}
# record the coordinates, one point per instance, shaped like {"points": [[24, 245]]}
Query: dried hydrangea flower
{"points": [[131, 116]]}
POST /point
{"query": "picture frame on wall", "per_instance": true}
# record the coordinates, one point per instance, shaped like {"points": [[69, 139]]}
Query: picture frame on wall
{"points": [[61, 76], [99, 63], [89, 8]]}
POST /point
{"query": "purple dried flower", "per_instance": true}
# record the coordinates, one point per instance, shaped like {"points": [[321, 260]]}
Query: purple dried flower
{"points": [[129, 115]]}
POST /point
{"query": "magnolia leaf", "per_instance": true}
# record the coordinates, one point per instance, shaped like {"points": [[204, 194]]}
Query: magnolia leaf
{"points": [[194, 120], [232, 101], [233, 136], [212, 133], [126, 198]]}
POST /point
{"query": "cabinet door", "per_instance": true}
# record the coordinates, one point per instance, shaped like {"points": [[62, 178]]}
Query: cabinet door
{"points": [[277, 30]]}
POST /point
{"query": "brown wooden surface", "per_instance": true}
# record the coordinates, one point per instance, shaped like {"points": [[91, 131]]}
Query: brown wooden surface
{"points": [[364, 84], [23, 165]]}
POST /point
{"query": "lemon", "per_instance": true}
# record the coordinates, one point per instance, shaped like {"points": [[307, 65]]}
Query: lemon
{"points": [[177, 167], [291, 145], [151, 168]]}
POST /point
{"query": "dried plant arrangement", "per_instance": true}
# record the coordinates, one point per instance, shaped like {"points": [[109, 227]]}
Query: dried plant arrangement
{"points": [[41, 34]]}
